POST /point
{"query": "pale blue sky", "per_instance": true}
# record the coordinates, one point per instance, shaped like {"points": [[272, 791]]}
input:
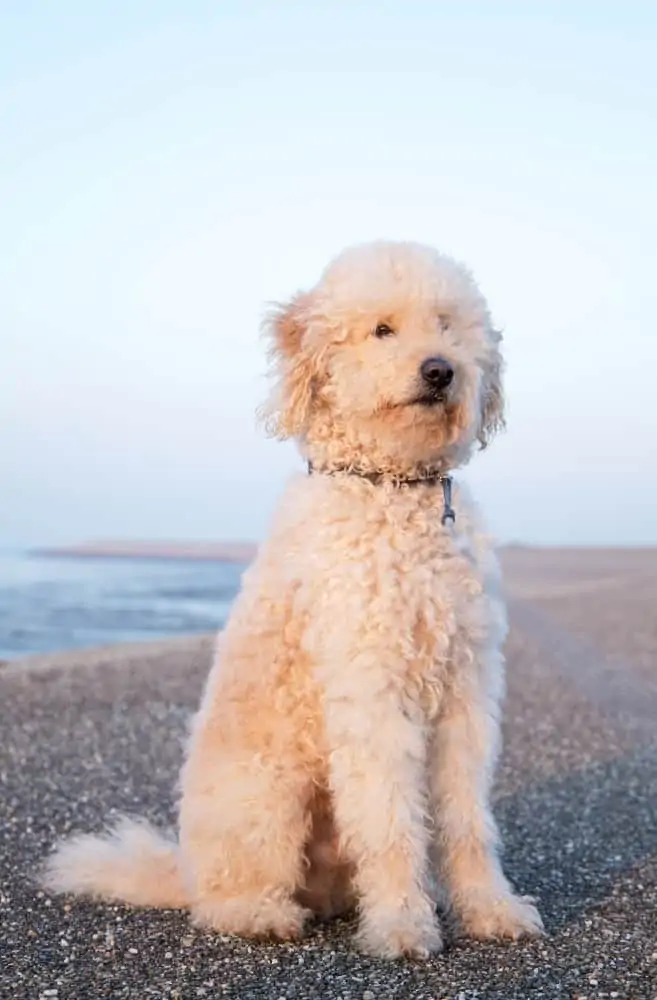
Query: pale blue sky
{"points": [[167, 168]]}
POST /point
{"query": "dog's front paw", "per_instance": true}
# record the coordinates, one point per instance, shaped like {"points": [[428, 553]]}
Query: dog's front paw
{"points": [[397, 933], [500, 916]]}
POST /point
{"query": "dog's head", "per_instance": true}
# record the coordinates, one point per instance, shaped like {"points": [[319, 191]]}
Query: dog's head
{"points": [[391, 358]]}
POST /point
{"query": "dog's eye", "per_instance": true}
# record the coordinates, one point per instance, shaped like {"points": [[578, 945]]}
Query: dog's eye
{"points": [[444, 323], [383, 330]]}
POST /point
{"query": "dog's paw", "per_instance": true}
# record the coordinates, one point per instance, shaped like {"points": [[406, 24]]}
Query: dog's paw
{"points": [[394, 934], [502, 916], [259, 917]]}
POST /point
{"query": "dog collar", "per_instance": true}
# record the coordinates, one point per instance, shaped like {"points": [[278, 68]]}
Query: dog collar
{"points": [[376, 478]]}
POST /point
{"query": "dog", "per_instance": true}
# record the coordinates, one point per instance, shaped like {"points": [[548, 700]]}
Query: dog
{"points": [[343, 752]]}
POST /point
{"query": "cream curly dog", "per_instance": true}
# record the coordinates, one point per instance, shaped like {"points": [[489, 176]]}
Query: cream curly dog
{"points": [[345, 743]]}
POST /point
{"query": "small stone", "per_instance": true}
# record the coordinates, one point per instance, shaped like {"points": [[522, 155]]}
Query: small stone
{"points": [[133, 951], [168, 954]]}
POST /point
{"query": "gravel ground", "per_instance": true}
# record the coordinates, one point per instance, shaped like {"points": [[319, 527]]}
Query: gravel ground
{"points": [[83, 735]]}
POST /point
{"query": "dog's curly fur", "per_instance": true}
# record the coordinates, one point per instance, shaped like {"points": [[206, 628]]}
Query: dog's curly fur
{"points": [[344, 747]]}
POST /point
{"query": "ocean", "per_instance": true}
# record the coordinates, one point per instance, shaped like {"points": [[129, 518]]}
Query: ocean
{"points": [[51, 604]]}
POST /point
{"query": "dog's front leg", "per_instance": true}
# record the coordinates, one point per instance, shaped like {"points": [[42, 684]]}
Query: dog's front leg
{"points": [[377, 775], [462, 755]]}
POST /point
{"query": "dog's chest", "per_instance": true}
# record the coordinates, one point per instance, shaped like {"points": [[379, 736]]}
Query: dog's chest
{"points": [[438, 564], [385, 574], [438, 575]]}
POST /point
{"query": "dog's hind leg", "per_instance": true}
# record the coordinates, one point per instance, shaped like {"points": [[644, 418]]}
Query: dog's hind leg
{"points": [[248, 777], [461, 761], [243, 825]]}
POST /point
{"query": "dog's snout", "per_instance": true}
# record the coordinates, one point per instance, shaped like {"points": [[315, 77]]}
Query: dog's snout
{"points": [[437, 372]]}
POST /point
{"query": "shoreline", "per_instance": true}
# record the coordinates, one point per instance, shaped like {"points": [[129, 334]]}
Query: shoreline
{"points": [[116, 654], [234, 552]]}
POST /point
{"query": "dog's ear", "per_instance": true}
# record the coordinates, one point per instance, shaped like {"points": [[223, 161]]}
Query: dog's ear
{"points": [[295, 367], [285, 323], [492, 394]]}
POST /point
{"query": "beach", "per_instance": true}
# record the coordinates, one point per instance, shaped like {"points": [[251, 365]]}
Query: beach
{"points": [[89, 733]]}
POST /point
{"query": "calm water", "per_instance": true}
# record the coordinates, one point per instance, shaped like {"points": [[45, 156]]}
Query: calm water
{"points": [[53, 604]]}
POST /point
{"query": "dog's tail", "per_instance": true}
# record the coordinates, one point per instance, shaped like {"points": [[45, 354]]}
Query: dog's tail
{"points": [[132, 863]]}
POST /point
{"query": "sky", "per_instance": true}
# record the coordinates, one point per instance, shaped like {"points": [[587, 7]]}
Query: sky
{"points": [[167, 169]]}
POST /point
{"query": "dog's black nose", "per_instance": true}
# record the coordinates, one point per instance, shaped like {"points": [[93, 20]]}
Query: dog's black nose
{"points": [[437, 372]]}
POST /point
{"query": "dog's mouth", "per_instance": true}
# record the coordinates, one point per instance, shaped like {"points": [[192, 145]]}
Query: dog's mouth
{"points": [[429, 398], [426, 399]]}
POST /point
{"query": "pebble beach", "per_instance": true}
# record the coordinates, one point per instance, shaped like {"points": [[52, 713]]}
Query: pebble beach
{"points": [[89, 733]]}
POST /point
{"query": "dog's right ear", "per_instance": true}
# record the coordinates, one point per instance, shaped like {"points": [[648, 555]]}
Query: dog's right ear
{"points": [[285, 323], [295, 367]]}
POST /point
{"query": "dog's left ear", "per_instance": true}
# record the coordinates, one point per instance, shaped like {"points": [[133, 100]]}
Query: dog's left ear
{"points": [[295, 367], [492, 398]]}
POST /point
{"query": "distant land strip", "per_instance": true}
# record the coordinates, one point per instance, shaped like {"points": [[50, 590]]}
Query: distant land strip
{"points": [[515, 555], [236, 552]]}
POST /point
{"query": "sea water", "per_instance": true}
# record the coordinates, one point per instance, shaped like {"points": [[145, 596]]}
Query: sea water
{"points": [[49, 604]]}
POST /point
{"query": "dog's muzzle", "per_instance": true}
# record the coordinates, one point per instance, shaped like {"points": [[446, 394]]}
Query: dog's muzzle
{"points": [[436, 376]]}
